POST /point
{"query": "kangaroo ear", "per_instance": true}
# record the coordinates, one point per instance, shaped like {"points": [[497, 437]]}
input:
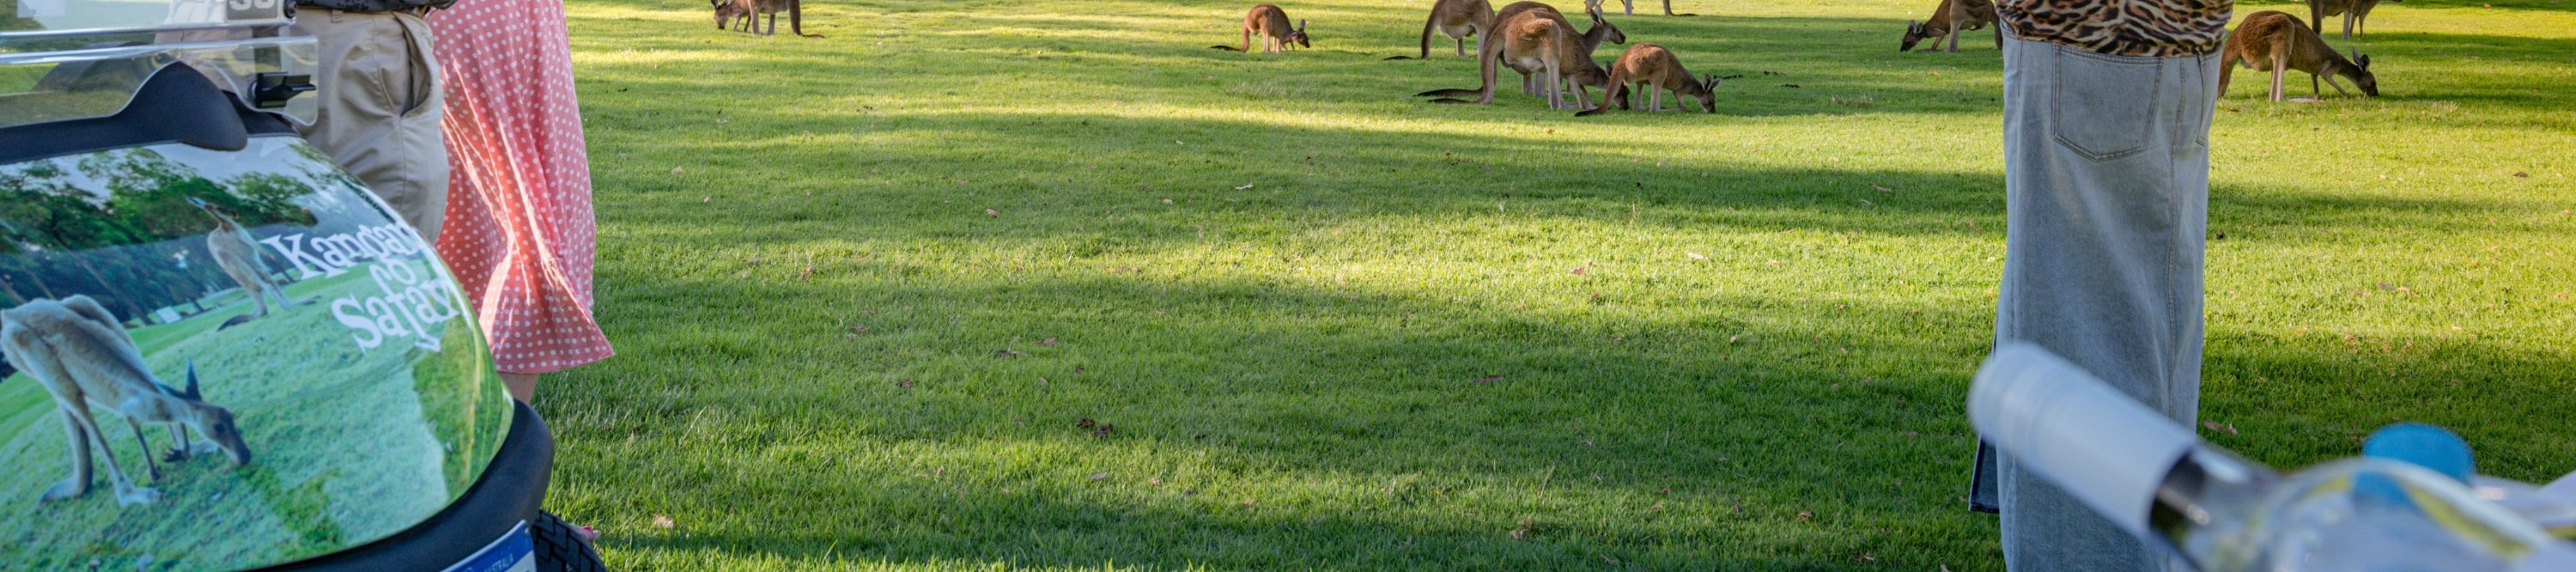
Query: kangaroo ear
{"points": [[191, 391], [2361, 59], [1301, 24]]}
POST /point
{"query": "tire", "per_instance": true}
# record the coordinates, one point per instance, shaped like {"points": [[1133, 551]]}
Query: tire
{"points": [[558, 549]]}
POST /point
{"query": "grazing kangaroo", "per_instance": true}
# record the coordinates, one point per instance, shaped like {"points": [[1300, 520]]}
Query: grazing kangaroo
{"points": [[1552, 49], [1629, 8], [1529, 85], [1272, 24], [1584, 71], [2277, 42], [1457, 19], [238, 255], [2355, 13], [84, 358], [745, 15], [1590, 73], [1970, 14], [1655, 68]]}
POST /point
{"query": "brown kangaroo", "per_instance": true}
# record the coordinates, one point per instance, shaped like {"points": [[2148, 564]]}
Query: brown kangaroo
{"points": [[238, 256], [85, 358], [1629, 8], [1272, 24], [1529, 85], [1589, 73], [2355, 13], [1550, 48], [1457, 19], [1655, 68], [1547, 47], [1971, 14], [1584, 71], [2278, 42], [744, 16]]}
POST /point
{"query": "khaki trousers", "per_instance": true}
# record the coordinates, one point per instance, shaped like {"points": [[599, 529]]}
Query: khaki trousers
{"points": [[379, 95]]}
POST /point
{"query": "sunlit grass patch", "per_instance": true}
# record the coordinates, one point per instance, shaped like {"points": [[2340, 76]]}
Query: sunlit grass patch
{"points": [[865, 288]]}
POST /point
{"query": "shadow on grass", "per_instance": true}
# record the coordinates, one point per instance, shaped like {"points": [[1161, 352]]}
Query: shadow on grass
{"points": [[1418, 421], [1436, 426]]}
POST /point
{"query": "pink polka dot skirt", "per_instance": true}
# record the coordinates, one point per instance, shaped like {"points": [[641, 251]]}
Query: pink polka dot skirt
{"points": [[519, 231]]}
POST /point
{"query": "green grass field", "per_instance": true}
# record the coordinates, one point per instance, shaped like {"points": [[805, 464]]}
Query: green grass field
{"points": [[865, 287]]}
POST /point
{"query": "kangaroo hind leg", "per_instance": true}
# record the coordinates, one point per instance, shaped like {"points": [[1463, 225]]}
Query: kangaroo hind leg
{"points": [[258, 297], [78, 483], [1557, 88], [2280, 67], [126, 492], [283, 303]]}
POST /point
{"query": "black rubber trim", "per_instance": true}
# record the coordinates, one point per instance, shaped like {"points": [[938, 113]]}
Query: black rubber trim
{"points": [[177, 105], [511, 489], [259, 123]]}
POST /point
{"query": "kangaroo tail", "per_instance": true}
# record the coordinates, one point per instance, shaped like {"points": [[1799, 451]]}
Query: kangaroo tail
{"points": [[1616, 88], [1452, 92], [1228, 48], [1427, 23], [2226, 68], [1393, 58], [796, 19], [1450, 100], [1485, 69]]}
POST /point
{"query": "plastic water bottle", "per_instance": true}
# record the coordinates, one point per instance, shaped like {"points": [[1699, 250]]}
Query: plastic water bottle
{"points": [[2225, 513], [2552, 507]]}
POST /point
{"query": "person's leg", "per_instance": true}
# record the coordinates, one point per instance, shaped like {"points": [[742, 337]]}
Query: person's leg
{"points": [[379, 101], [2107, 186], [523, 386]]}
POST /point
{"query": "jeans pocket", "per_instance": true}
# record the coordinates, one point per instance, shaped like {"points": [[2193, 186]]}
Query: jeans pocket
{"points": [[2104, 107]]}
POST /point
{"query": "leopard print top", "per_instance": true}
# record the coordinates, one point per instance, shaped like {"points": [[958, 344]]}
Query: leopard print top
{"points": [[2155, 28]]}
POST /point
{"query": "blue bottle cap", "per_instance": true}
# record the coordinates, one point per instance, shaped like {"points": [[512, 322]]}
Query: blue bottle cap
{"points": [[2424, 445]]}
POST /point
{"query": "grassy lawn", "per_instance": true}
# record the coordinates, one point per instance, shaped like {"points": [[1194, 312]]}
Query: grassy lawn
{"points": [[865, 287]]}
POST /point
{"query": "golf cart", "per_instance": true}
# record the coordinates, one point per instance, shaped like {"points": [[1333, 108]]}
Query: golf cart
{"points": [[222, 352]]}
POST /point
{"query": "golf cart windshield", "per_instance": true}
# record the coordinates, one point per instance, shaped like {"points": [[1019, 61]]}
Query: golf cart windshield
{"points": [[63, 60]]}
